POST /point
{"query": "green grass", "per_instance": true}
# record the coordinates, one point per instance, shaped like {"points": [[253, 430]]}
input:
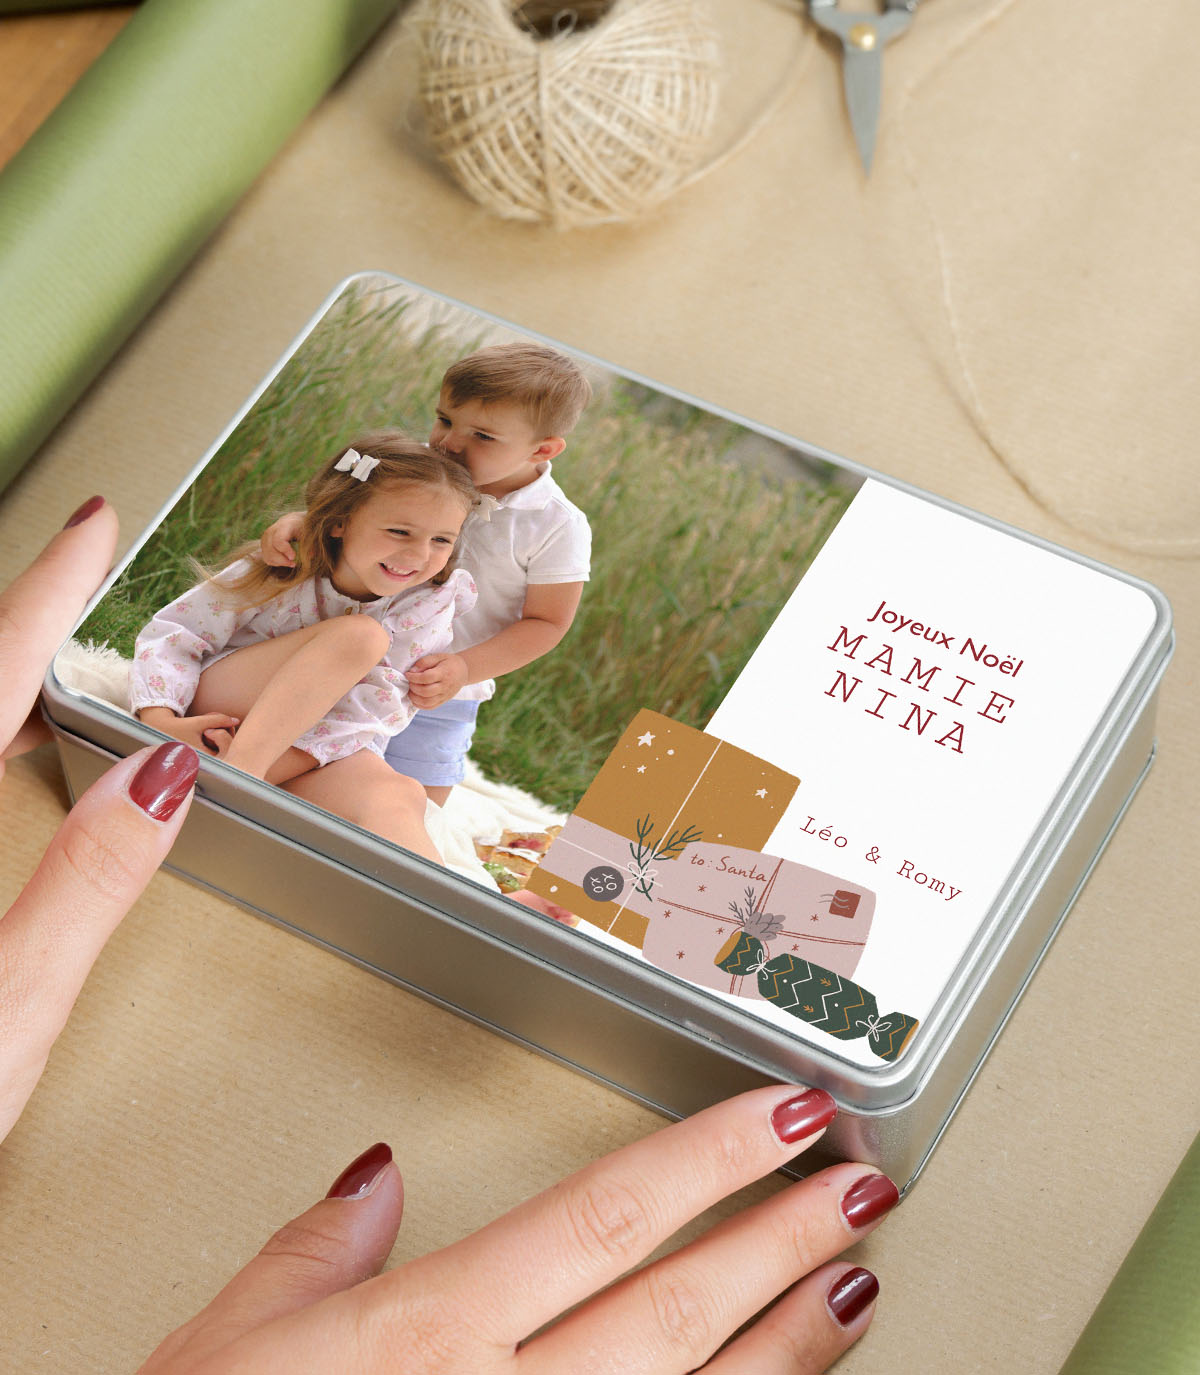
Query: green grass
{"points": [[694, 553]]}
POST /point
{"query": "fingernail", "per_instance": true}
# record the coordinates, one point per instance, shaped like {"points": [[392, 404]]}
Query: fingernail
{"points": [[868, 1198], [798, 1117], [359, 1177], [164, 780], [854, 1291], [89, 508]]}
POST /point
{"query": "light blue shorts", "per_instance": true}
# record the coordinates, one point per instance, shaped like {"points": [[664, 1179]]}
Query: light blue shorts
{"points": [[433, 747]]}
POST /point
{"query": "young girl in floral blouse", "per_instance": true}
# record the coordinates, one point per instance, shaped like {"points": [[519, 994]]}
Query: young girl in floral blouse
{"points": [[281, 671]]}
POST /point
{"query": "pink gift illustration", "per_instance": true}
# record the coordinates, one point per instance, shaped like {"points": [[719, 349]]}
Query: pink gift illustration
{"points": [[712, 891]]}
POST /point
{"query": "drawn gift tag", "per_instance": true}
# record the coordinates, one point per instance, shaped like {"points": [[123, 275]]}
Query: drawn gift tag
{"points": [[665, 786], [713, 891]]}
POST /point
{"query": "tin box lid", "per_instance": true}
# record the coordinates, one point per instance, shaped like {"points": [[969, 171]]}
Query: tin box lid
{"points": [[943, 692]]}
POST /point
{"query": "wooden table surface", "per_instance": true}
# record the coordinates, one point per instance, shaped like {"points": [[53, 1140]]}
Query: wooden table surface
{"points": [[41, 58]]}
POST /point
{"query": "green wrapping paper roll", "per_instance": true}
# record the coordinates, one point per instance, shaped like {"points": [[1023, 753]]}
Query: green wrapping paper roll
{"points": [[115, 193], [1148, 1322]]}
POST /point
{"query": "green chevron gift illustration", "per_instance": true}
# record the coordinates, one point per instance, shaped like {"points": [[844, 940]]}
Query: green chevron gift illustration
{"points": [[818, 996]]}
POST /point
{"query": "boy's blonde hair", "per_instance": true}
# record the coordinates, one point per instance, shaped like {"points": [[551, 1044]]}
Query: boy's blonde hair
{"points": [[332, 497], [547, 385]]}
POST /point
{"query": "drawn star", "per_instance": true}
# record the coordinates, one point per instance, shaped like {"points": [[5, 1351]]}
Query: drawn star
{"points": [[795, 947], [814, 917], [641, 768], [679, 954], [703, 888], [720, 930], [762, 792], [646, 739]]}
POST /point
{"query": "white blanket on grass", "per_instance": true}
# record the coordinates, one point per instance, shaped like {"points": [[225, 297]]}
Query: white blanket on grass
{"points": [[477, 809]]}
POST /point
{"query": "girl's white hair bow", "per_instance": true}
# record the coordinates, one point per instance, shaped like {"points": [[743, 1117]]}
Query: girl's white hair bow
{"points": [[356, 464]]}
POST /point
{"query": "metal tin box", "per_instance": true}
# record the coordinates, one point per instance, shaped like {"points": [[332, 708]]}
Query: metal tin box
{"points": [[838, 863]]}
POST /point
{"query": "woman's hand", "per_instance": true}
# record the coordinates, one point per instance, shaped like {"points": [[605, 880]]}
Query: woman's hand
{"points": [[308, 1302], [480, 1306], [112, 841]]}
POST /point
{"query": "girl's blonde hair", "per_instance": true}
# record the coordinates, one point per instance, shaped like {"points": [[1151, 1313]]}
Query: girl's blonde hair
{"points": [[332, 497]]}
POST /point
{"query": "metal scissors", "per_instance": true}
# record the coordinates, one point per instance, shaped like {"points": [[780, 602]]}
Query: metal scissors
{"points": [[863, 38]]}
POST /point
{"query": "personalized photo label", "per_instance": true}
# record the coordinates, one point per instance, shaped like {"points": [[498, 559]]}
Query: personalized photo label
{"points": [[689, 689]]}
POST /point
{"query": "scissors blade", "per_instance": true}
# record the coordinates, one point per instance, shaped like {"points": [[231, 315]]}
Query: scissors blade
{"points": [[862, 77]]}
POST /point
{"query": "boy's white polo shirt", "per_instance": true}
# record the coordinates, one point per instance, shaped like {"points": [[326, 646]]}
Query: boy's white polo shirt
{"points": [[532, 536]]}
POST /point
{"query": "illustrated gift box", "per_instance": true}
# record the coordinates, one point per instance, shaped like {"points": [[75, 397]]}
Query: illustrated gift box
{"points": [[712, 891], [664, 787]]}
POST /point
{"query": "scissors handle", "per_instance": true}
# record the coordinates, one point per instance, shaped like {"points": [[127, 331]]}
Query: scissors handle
{"points": [[909, 6], [863, 31]]}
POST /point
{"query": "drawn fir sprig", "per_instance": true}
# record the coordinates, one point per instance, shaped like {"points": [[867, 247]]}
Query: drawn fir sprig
{"points": [[754, 921], [646, 850]]}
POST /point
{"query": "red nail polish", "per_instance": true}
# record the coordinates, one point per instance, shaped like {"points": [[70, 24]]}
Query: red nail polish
{"points": [[851, 1293], [869, 1198], [89, 508], [356, 1179], [164, 780], [798, 1117]]}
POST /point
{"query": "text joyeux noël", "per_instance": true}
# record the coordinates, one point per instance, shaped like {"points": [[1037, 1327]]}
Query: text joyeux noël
{"points": [[918, 716]]}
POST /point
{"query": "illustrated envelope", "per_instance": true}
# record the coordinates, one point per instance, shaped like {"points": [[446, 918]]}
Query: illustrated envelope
{"points": [[665, 786], [713, 891]]}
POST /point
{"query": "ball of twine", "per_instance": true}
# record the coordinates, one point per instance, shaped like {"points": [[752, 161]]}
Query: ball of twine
{"points": [[594, 122]]}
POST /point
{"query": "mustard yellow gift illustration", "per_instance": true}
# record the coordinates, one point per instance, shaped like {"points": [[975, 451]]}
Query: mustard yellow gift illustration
{"points": [[663, 787]]}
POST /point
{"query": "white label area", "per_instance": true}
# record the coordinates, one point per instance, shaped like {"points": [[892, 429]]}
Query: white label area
{"points": [[931, 681]]}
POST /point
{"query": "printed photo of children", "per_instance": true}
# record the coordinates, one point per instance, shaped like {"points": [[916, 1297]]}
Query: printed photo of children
{"points": [[438, 567]]}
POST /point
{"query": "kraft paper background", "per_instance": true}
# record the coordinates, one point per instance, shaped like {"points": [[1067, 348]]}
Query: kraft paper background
{"points": [[1004, 314]]}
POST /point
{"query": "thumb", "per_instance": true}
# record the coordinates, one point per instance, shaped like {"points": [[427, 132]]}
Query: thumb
{"points": [[334, 1245]]}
